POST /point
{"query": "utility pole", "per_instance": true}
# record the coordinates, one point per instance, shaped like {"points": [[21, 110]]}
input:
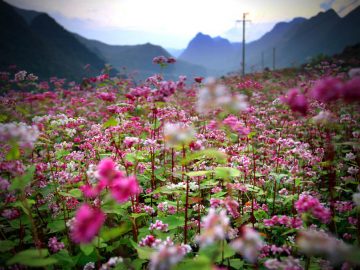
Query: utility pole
{"points": [[243, 43], [274, 53], [262, 61]]}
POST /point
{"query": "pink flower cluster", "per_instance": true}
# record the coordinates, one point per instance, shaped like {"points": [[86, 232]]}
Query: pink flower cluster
{"points": [[159, 225], [87, 223], [149, 241], [54, 245], [161, 60], [249, 84], [120, 186], [332, 89], [308, 203], [296, 101], [343, 206], [290, 222]]}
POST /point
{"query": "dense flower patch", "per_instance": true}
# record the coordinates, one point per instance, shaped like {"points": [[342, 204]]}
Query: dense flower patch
{"points": [[261, 173]]}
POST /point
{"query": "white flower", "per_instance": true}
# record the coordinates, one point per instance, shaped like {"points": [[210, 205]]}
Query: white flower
{"points": [[249, 244]]}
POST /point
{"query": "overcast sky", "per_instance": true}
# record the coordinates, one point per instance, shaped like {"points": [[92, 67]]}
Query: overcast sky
{"points": [[173, 23]]}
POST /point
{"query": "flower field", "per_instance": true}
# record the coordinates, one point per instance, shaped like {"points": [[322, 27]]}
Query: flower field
{"points": [[259, 172]]}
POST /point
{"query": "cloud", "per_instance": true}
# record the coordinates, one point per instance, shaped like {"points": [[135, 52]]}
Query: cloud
{"points": [[327, 4], [342, 7]]}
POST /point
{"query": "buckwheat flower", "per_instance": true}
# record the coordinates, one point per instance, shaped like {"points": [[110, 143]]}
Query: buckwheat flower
{"points": [[112, 262], [87, 223], [215, 227], [308, 203], [159, 225], [167, 256], [296, 101], [232, 207], [354, 72], [149, 241], [314, 242], [89, 266], [20, 133], [123, 188], [130, 141], [323, 117], [178, 134], [351, 90], [287, 263], [353, 170], [108, 172], [54, 245], [20, 76], [4, 184], [248, 244], [327, 90], [350, 156]]}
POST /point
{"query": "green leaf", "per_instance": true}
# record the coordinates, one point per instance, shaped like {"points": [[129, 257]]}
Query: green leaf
{"points": [[174, 221], [75, 192], [111, 122], [110, 234], [62, 153], [64, 259], [237, 263], [226, 172], [56, 226], [32, 257], [197, 263], [87, 249], [156, 125], [215, 154], [143, 252], [22, 181], [260, 215], [6, 245], [14, 152], [198, 173]]}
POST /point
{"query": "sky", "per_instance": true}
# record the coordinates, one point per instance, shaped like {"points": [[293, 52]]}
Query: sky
{"points": [[173, 23]]}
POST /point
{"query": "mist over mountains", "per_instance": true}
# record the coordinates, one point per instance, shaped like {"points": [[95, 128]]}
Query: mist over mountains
{"points": [[35, 42]]}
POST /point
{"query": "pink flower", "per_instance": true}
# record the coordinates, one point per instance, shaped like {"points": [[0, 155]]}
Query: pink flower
{"points": [[108, 172], [296, 101], [198, 79], [123, 188], [308, 203], [328, 89], [88, 221], [351, 90], [91, 192]]}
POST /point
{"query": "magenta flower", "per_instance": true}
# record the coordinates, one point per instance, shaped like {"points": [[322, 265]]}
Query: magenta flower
{"points": [[123, 188], [108, 171], [328, 89], [296, 101], [308, 203], [88, 221], [351, 90]]}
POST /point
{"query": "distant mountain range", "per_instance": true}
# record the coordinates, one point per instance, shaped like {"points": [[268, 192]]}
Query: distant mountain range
{"points": [[37, 43], [295, 43]]}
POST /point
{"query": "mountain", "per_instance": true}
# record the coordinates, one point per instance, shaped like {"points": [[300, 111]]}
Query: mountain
{"points": [[295, 42], [36, 43], [175, 52], [138, 59], [213, 53]]}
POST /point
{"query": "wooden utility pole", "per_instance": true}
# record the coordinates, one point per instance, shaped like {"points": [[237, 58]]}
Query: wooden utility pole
{"points": [[243, 43], [262, 61]]}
